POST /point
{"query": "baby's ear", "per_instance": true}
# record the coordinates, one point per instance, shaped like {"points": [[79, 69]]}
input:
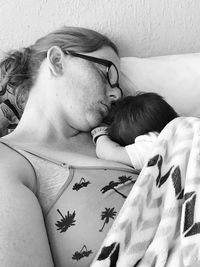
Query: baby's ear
{"points": [[55, 58]]}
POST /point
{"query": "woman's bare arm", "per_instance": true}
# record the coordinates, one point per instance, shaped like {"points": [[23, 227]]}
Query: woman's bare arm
{"points": [[23, 238]]}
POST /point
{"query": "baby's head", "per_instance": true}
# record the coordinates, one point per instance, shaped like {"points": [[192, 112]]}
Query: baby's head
{"points": [[136, 115]]}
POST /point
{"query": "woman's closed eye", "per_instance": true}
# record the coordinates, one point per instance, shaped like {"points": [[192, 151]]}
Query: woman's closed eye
{"points": [[102, 74]]}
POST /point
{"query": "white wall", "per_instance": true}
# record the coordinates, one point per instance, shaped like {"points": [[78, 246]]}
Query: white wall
{"points": [[139, 27]]}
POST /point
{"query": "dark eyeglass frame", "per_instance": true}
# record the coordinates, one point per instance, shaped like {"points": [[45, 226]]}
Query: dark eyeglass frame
{"points": [[100, 61]]}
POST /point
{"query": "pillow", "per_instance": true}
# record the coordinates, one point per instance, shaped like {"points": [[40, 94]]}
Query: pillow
{"points": [[175, 77]]}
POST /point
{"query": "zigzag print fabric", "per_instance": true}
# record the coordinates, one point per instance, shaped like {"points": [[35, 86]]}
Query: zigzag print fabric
{"points": [[159, 223]]}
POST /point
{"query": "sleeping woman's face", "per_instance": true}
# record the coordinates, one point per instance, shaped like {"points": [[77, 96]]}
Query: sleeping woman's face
{"points": [[89, 95]]}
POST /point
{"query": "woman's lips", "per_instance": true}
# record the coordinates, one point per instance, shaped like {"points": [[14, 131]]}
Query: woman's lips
{"points": [[106, 108]]}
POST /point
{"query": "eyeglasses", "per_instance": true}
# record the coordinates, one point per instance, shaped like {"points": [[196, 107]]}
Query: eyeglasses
{"points": [[112, 73]]}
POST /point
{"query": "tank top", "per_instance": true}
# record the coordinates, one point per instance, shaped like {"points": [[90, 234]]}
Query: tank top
{"points": [[79, 204]]}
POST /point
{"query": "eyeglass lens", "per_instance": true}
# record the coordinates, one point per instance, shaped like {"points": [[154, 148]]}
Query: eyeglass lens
{"points": [[113, 75]]}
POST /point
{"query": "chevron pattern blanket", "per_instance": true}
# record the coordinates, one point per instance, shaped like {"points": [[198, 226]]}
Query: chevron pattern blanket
{"points": [[159, 223]]}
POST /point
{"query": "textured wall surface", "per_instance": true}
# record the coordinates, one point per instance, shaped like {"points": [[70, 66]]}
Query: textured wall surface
{"points": [[139, 27]]}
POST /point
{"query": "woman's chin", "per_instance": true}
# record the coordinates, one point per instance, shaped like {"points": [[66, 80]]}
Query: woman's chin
{"points": [[94, 121]]}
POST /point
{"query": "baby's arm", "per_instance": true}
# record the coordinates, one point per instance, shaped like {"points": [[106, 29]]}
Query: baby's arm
{"points": [[108, 149]]}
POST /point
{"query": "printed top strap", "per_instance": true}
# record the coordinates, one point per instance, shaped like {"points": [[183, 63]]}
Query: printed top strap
{"points": [[16, 148]]}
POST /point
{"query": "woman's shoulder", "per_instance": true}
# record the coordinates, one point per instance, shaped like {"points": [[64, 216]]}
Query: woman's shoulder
{"points": [[15, 167], [19, 206]]}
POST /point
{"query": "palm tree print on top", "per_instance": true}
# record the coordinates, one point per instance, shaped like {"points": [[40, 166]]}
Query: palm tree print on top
{"points": [[124, 179], [66, 221], [82, 253], [112, 185], [81, 184], [106, 215]]}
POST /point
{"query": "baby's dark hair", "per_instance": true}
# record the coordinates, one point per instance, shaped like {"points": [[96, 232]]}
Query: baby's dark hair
{"points": [[137, 115]]}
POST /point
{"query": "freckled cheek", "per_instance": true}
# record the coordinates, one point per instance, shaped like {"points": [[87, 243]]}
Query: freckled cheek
{"points": [[95, 81]]}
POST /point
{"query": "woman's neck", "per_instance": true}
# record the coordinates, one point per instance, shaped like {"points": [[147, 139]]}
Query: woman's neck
{"points": [[50, 138], [39, 126], [44, 120]]}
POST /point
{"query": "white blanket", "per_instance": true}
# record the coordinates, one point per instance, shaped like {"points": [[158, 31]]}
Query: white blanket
{"points": [[159, 224]]}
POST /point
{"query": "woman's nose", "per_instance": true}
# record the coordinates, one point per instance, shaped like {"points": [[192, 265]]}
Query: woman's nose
{"points": [[115, 93]]}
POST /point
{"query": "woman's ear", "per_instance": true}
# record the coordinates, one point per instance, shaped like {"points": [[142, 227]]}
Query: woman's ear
{"points": [[55, 58]]}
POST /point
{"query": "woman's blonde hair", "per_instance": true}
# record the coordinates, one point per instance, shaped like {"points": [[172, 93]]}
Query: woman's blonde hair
{"points": [[19, 69]]}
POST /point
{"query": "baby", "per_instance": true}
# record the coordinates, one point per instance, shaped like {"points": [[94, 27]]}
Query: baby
{"points": [[136, 122]]}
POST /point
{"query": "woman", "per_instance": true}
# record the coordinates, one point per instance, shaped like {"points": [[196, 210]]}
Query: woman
{"points": [[58, 200]]}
